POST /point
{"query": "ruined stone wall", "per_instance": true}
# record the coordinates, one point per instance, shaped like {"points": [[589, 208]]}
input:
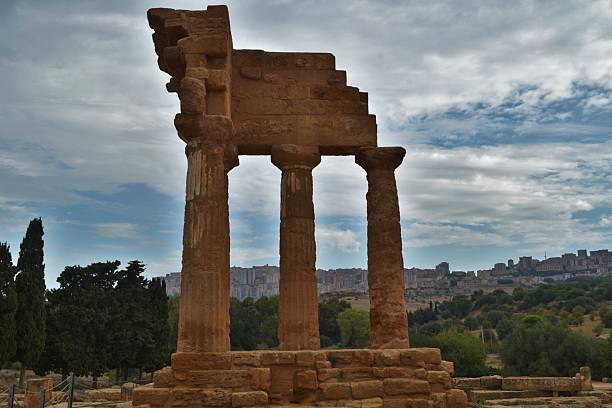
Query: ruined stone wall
{"points": [[297, 98], [415, 378]]}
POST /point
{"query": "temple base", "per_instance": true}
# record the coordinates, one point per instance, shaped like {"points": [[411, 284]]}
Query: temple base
{"points": [[411, 378]]}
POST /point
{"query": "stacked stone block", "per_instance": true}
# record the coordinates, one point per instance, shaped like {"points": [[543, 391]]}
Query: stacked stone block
{"points": [[415, 378]]}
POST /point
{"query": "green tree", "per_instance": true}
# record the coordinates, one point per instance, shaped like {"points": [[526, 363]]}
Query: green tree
{"points": [[607, 319], [173, 319], [267, 316], [8, 305], [81, 321], [354, 328], [504, 328], [133, 336], [329, 310], [30, 287], [159, 355], [536, 347]]}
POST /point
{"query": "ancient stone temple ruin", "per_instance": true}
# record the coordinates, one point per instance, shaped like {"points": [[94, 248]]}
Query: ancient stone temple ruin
{"points": [[294, 107]]}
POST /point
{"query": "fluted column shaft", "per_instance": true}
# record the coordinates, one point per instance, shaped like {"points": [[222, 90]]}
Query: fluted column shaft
{"points": [[205, 277], [298, 307], [388, 318]]}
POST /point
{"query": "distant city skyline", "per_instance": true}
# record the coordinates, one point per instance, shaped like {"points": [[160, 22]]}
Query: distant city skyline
{"points": [[504, 110]]}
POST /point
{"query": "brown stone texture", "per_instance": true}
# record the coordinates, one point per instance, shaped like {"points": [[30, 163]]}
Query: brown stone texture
{"points": [[388, 317], [294, 107], [298, 326], [33, 389]]}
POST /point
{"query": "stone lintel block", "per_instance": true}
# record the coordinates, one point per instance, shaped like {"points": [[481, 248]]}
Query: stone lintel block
{"points": [[201, 73], [305, 380], [334, 391], [172, 61], [276, 106], [355, 373], [340, 358], [164, 378], [456, 399], [151, 396], [328, 374], [334, 134], [367, 389], [211, 45], [201, 361], [387, 357], [175, 29], [261, 379], [405, 386], [249, 399], [156, 16], [439, 377], [245, 359], [283, 60], [213, 128], [412, 357]]}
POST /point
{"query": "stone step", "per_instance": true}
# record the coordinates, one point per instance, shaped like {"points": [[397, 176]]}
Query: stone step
{"points": [[487, 395], [573, 402]]}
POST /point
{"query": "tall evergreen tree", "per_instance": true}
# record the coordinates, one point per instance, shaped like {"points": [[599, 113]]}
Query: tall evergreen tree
{"points": [[159, 355], [79, 315], [30, 286], [8, 305], [132, 331]]}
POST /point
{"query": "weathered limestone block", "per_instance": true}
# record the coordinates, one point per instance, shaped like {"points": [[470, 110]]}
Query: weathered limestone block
{"points": [[404, 386], [201, 361], [449, 367], [249, 399], [419, 403], [388, 317], [152, 396], [367, 389], [215, 379], [355, 373], [305, 380], [328, 374], [440, 377], [194, 397], [261, 379], [33, 387], [192, 94], [486, 395], [432, 355], [412, 357], [585, 376], [340, 358], [467, 383], [335, 391], [387, 358], [164, 378], [542, 383], [491, 382], [127, 390], [246, 359], [298, 303], [456, 399]]}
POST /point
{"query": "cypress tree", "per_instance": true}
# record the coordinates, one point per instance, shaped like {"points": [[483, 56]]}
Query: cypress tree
{"points": [[30, 286], [159, 356], [8, 305]]}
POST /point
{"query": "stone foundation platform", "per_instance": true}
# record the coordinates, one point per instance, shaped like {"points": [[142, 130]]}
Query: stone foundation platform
{"points": [[407, 378]]}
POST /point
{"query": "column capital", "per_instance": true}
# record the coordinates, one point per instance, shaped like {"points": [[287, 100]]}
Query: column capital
{"points": [[230, 157], [380, 158], [286, 156], [211, 128]]}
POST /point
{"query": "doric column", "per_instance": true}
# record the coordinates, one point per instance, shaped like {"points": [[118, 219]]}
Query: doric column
{"points": [[388, 319], [205, 279], [298, 327]]}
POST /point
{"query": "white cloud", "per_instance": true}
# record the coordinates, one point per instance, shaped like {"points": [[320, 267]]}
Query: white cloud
{"points": [[343, 240], [118, 230]]}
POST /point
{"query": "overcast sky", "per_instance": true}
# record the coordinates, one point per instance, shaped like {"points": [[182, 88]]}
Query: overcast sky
{"points": [[504, 109]]}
